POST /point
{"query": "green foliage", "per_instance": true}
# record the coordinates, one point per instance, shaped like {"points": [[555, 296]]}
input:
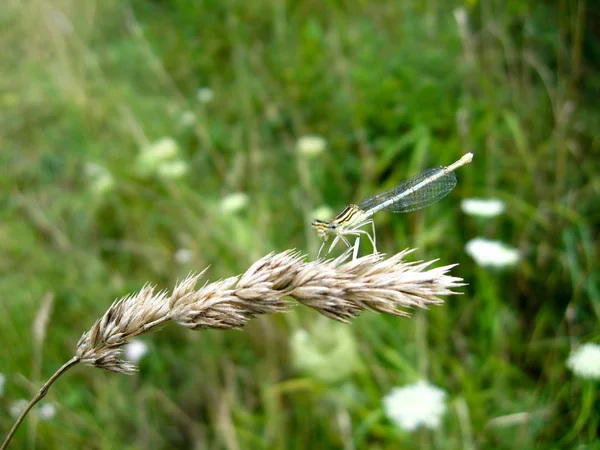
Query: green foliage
{"points": [[394, 87]]}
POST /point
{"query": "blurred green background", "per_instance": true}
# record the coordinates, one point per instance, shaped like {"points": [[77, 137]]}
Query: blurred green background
{"points": [[141, 140]]}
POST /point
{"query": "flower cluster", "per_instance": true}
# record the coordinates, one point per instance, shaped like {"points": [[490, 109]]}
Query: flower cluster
{"points": [[585, 361], [311, 146], [486, 252], [162, 158], [415, 405]]}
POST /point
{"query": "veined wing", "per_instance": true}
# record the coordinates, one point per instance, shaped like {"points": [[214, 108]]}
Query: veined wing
{"points": [[415, 193]]}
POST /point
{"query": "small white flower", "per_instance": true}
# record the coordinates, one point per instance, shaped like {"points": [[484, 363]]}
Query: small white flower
{"points": [[234, 202], [327, 352], [183, 256], [205, 95], [488, 253], [483, 207], [17, 407], [2, 382], [101, 180], [300, 336], [310, 146], [414, 405], [172, 169], [163, 151], [323, 212], [188, 118], [585, 361], [135, 350], [460, 15], [47, 411]]}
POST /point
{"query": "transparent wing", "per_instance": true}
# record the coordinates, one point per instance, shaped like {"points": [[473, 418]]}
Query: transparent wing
{"points": [[424, 196]]}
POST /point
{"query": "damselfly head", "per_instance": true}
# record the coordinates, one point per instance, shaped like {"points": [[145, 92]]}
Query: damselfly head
{"points": [[321, 227]]}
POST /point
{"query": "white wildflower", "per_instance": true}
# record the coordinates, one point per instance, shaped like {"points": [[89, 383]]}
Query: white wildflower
{"points": [[135, 350], [2, 382], [164, 149], [310, 146], [482, 207], [47, 411], [323, 212], [17, 407], [188, 118], [460, 15], [205, 95], [100, 178], [161, 152], [172, 169], [488, 253], [327, 352], [585, 361], [183, 256], [234, 202], [414, 405]]}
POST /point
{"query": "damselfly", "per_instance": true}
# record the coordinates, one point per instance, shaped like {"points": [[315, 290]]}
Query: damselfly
{"points": [[418, 192]]}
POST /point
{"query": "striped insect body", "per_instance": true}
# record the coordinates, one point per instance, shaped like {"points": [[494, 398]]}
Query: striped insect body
{"points": [[416, 193]]}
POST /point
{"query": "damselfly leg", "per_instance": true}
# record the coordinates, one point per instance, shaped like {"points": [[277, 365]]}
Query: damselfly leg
{"points": [[355, 231], [356, 247], [321, 248]]}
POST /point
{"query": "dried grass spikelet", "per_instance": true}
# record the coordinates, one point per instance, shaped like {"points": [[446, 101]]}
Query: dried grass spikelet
{"points": [[342, 291], [126, 318], [339, 289]]}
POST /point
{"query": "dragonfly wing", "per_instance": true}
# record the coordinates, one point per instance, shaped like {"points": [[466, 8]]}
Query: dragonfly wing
{"points": [[421, 197], [426, 195]]}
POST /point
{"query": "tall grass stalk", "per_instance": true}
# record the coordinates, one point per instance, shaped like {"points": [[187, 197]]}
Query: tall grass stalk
{"points": [[339, 289]]}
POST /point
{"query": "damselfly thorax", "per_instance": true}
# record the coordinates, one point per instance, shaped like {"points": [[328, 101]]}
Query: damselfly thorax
{"points": [[347, 223], [416, 193]]}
